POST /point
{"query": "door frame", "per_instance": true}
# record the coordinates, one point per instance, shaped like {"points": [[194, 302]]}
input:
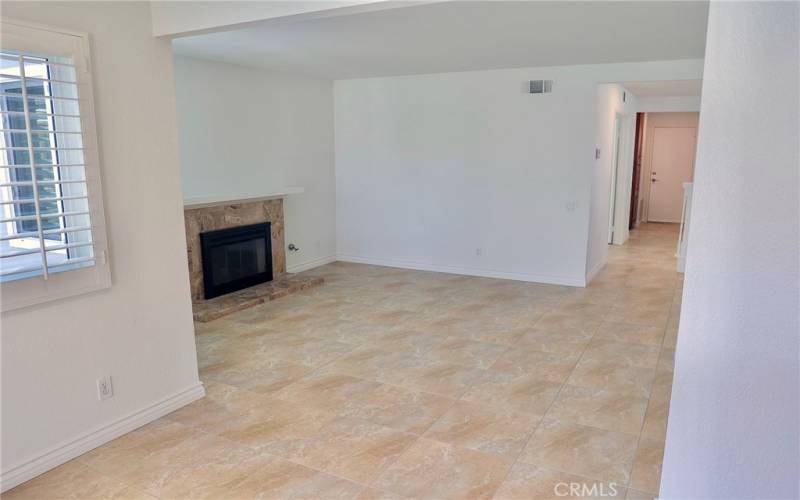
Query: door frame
{"points": [[615, 157], [636, 175], [619, 208]]}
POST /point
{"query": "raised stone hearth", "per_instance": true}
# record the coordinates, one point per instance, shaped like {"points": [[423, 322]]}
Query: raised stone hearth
{"points": [[224, 215], [209, 310]]}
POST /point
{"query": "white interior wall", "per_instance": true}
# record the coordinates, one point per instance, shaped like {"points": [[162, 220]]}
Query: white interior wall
{"points": [[668, 104], [467, 173], [733, 422], [246, 132], [140, 330], [610, 105]]}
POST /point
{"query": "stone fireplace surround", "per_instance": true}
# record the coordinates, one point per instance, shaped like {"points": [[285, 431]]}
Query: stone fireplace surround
{"points": [[226, 214]]}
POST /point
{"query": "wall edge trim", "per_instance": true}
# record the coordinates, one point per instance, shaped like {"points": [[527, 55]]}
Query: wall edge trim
{"points": [[466, 271], [70, 449], [310, 264]]}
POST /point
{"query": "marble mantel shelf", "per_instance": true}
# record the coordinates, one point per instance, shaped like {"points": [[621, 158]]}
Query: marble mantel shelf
{"points": [[210, 201]]}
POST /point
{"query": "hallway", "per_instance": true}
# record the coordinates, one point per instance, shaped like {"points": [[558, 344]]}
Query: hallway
{"points": [[391, 383]]}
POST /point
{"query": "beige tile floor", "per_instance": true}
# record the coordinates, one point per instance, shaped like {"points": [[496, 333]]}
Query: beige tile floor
{"points": [[389, 383]]}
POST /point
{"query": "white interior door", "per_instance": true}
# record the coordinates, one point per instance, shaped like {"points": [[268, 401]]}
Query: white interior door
{"points": [[672, 165]]}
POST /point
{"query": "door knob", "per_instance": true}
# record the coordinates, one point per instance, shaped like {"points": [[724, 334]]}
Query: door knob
{"points": [[653, 180]]}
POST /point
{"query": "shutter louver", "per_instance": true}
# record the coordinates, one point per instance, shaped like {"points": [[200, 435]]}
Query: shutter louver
{"points": [[45, 223]]}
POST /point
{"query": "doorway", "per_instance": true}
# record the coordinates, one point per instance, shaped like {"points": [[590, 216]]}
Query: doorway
{"points": [[663, 161]]}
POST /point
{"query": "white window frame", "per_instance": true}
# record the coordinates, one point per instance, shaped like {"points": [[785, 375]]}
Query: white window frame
{"points": [[33, 38]]}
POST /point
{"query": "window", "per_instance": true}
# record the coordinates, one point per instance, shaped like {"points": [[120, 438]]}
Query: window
{"points": [[52, 230]]}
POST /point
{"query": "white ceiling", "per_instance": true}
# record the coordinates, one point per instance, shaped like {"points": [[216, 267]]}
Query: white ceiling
{"points": [[672, 88], [462, 36]]}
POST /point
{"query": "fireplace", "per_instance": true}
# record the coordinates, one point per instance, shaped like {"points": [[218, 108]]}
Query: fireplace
{"points": [[235, 258]]}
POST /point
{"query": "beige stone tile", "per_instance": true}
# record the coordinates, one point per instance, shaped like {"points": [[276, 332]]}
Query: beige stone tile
{"points": [[274, 423], [520, 392], [215, 350], [556, 342], [140, 445], [612, 410], [567, 322], [386, 316], [546, 366], [643, 356], [267, 477], [655, 420], [444, 325], [430, 469], [264, 375], [326, 391], [585, 310], [590, 295], [601, 374], [640, 495], [502, 330], [666, 361], [404, 340], [346, 447], [662, 386], [74, 480], [461, 351], [303, 350], [195, 465], [582, 450], [397, 407], [368, 363], [490, 429], [671, 337], [376, 494], [637, 334], [351, 332], [646, 315], [407, 370], [445, 379], [173, 465], [527, 482], [221, 403], [646, 473]]}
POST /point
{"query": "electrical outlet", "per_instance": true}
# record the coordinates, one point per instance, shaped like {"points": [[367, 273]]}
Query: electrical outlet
{"points": [[104, 388], [478, 252]]}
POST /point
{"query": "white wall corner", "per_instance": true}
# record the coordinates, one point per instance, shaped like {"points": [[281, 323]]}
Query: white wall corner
{"points": [[591, 273], [578, 281], [310, 264], [66, 451]]}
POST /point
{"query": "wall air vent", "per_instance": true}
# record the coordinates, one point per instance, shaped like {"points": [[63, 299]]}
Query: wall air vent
{"points": [[540, 86]]}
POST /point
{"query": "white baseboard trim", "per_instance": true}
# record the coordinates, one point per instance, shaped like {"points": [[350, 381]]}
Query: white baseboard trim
{"points": [[311, 264], [68, 450], [596, 269], [467, 271]]}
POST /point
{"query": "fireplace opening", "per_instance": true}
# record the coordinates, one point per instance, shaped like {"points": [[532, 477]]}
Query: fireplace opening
{"points": [[236, 258]]}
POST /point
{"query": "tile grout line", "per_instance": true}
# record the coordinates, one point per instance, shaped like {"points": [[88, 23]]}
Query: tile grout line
{"points": [[649, 399], [541, 420]]}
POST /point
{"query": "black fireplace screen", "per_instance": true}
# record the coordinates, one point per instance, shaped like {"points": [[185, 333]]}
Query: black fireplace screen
{"points": [[236, 258]]}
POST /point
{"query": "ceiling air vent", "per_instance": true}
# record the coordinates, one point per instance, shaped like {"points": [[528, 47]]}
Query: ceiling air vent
{"points": [[540, 86]]}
